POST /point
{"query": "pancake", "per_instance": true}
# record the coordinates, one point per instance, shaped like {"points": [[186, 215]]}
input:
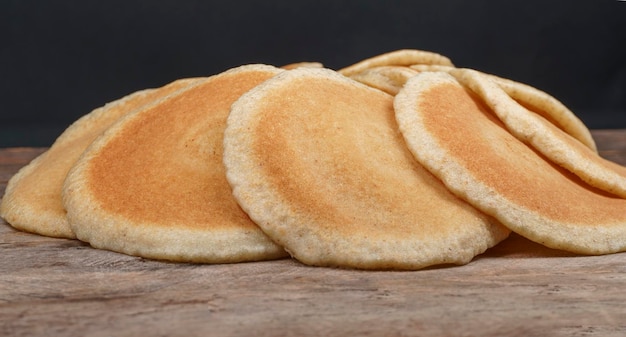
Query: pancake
{"points": [[548, 107], [534, 100], [316, 160], [304, 64], [153, 185], [457, 138], [32, 201], [402, 57], [389, 79], [543, 136], [431, 67]]}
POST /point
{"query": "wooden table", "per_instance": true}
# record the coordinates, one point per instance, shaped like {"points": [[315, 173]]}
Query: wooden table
{"points": [[57, 287]]}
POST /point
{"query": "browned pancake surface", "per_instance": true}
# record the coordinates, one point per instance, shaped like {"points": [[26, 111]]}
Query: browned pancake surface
{"points": [[32, 201], [154, 185], [470, 150], [317, 161], [542, 135], [533, 99], [164, 157], [515, 170]]}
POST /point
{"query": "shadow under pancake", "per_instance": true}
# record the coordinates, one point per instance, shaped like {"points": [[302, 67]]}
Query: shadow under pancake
{"points": [[517, 246]]}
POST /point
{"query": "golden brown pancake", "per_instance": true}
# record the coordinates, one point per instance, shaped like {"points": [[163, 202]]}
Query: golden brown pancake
{"points": [[547, 107], [536, 131], [389, 79], [32, 201], [316, 160], [153, 185], [457, 138], [534, 100], [402, 57]]}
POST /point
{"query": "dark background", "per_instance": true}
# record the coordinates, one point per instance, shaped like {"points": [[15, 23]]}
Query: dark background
{"points": [[61, 59]]}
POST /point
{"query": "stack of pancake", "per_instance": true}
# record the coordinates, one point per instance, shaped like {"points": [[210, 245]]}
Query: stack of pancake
{"points": [[400, 161]]}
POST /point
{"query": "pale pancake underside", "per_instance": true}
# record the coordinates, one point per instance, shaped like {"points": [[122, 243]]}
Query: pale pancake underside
{"points": [[153, 185], [546, 138], [402, 57], [317, 162], [389, 79], [32, 201], [458, 139]]}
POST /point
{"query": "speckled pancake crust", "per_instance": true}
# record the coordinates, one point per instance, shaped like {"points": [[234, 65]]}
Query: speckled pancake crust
{"points": [[317, 162], [153, 185], [457, 138], [32, 201], [543, 136]]}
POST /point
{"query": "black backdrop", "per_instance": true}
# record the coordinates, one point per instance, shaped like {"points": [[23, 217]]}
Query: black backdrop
{"points": [[61, 59]]}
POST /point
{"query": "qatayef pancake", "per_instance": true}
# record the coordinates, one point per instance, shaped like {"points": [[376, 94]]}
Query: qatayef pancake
{"points": [[431, 67], [317, 162], [534, 100], [546, 138], [32, 201], [402, 57], [389, 79], [304, 64], [457, 138], [153, 185], [548, 107]]}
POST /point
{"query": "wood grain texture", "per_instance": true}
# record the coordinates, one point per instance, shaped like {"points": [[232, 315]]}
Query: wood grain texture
{"points": [[59, 287]]}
